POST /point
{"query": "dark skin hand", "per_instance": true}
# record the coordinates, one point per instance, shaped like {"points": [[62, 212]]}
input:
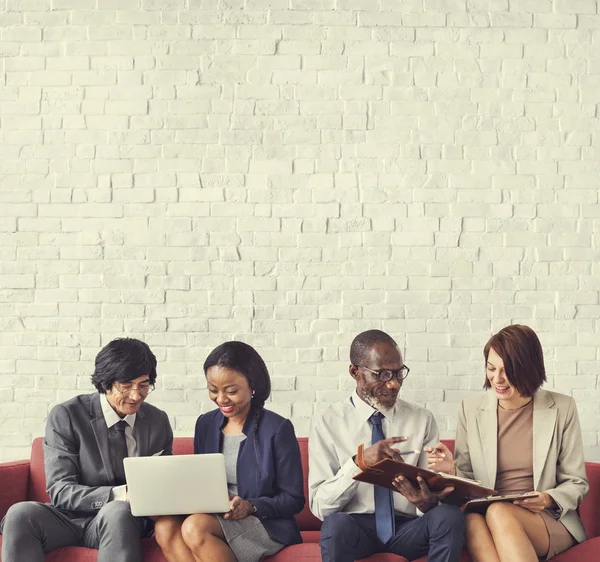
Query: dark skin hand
{"points": [[423, 498], [383, 450], [238, 509]]}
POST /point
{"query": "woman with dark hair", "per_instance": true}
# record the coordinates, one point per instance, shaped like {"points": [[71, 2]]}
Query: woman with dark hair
{"points": [[262, 462], [519, 439]]}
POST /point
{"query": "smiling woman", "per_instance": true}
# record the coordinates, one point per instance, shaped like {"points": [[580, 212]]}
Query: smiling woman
{"points": [[231, 392], [267, 493], [514, 366], [495, 444]]}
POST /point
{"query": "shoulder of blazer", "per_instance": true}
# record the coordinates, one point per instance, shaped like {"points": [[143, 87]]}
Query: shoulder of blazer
{"points": [[151, 411], [551, 399], [77, 404], [477, 402], [208, 419], [271, 422]]}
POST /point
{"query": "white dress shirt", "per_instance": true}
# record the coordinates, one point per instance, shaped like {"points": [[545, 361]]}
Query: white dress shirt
{"points": [[111, 417], [334, 439]]}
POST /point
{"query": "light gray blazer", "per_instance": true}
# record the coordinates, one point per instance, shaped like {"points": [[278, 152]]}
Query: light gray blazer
{"points": [[79, 474], [558, 464]]}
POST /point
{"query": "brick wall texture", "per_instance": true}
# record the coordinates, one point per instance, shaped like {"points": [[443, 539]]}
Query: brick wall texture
{"points": [[289, 173]]}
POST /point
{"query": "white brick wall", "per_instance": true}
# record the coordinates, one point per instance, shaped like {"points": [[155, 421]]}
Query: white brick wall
{"points": [[292, 172]]}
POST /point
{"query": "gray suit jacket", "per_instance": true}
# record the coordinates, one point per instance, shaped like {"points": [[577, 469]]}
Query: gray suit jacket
{"points": [[79, 475], [558, 464]]}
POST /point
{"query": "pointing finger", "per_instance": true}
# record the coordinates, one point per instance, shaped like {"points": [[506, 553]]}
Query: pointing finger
{"points": [[394, 440]]}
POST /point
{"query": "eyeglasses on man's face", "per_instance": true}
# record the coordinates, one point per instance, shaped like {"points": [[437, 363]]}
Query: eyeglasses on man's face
{"points": [[386, 375], [143, 389]]}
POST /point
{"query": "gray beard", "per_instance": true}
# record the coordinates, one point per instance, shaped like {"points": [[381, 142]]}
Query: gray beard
{"points": [[374, 402]]}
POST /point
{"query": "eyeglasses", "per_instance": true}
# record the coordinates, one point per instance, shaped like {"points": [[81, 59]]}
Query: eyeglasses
{"points": [[386, 375], [143, 389]]}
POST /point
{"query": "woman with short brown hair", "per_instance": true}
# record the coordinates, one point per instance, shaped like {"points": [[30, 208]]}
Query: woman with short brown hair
{"points": [[519, 439]]}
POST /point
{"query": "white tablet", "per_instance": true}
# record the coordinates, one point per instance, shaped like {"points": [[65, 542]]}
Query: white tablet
{"points": [[177, 484]]}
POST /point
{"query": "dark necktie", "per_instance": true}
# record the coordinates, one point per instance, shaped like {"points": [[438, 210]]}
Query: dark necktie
{"points": [[384, 500], [118, 450]]}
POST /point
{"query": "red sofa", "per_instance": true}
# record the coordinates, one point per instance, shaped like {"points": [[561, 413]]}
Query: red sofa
{"points": [[25, 480]]}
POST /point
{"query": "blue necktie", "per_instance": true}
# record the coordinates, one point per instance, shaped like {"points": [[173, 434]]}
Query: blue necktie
{"points": [[384, 500]]}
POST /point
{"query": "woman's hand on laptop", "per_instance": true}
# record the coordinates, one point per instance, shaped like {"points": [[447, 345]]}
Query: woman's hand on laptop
{"points": [[239, 509]]}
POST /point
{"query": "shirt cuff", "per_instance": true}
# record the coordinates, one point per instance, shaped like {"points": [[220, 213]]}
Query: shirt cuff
{"points": [[555, 512], [118, 493], [350, 468]]}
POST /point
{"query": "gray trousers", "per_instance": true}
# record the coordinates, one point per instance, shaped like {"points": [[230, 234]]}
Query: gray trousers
{"points": [[31, 529]]}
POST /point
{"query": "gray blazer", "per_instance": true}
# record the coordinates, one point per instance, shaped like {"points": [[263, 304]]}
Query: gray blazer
{"points": [[558, 464], [79, 475]]}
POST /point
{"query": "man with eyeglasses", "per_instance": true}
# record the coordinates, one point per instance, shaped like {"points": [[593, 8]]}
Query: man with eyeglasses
{"points": [[360, 519], [86, 440]]}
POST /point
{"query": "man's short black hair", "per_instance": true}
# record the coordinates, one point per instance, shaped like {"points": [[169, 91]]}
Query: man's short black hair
{"points": [[123, 360], [364, 342]]}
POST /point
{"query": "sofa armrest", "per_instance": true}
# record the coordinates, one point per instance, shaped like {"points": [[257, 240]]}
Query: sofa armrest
{"points": [[14, 478], [589, 510]]}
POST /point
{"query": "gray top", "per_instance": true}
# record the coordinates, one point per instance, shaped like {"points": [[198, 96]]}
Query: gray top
{"points": [[230, 450]]}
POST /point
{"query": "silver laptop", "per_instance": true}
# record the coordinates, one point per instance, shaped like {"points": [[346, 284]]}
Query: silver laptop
{"points": [[177, 484]]}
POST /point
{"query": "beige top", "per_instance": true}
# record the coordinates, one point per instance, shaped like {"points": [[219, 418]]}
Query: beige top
{"points": [[515, 450], [558, 464], [515, 468]]}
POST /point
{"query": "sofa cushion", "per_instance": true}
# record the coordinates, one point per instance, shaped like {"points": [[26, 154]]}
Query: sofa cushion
{"points": [[311, 552], [150, 548], [384, 558], [72, 554], [307, 552], [311, 536], [587, 551]]}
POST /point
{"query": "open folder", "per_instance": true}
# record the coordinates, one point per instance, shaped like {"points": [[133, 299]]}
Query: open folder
{"points": [[384, 472], [481, 504]]}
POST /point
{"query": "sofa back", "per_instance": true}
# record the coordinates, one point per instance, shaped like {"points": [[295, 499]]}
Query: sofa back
{"points": [[589, 509], [37, 477]]}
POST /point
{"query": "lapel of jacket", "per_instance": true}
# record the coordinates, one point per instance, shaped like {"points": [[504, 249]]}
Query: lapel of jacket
{"points": [[100, 430], [213, 434], [248, 480], [544, 422], [487, 423], [141, 430]]}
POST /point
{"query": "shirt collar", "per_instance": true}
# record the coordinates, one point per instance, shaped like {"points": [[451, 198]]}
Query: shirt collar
{"points": [[365, 411], [111, 417]]}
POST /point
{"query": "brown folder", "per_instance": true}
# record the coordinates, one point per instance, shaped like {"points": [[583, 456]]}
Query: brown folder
{"points": [[481, 504], [384, 472]]}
